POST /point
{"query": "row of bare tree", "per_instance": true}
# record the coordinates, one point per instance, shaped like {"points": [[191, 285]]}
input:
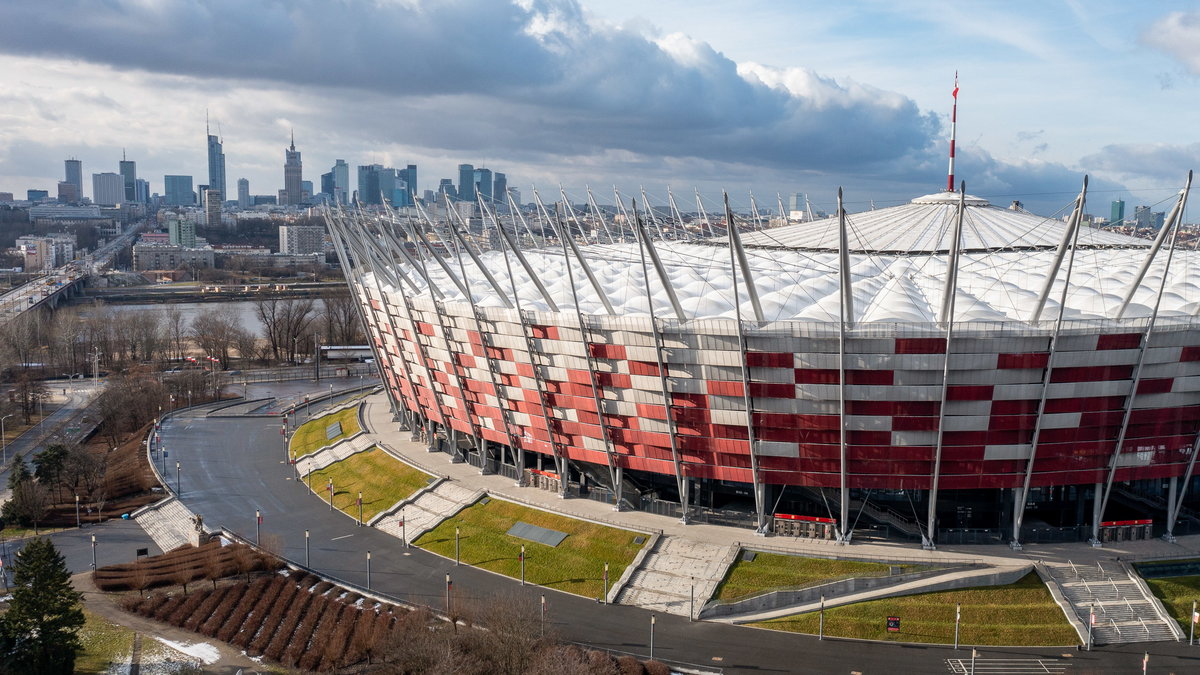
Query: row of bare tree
{"points": [[72, 340]]}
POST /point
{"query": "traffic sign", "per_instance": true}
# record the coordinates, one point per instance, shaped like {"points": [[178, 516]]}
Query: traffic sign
{"points": [[893, 624]]}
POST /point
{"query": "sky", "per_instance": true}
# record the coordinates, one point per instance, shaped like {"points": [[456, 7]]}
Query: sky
{"points": [[774, 97]]}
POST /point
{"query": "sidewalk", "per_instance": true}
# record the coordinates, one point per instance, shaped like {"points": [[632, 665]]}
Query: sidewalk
{"points": [[380, 427]]}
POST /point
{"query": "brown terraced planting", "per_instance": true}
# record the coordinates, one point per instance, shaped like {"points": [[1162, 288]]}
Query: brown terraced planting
{"points": [[186, 564]]}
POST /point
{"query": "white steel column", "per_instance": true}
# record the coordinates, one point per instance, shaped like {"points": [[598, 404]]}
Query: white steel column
{"points": [[845, 319], [1172, 225], [1071, 238], [948, 318]]}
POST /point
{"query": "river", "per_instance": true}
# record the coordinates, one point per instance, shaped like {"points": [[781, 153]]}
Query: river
{"points": [[245, 309]]}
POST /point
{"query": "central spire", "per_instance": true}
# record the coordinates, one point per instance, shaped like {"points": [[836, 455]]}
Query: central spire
{"points": [[293, 140]]}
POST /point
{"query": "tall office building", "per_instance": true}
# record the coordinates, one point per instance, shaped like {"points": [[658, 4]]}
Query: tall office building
{"points": [[446, 187], [177, 191], [327, 185], [181, 231], [1117, 214], [212, 208], [243, 193], [306, 191], [141, 191], [75, 176], [108, 189], [483, 184], [67, 192], [301, 239], [293, 174], [500, 189], [216, 165], [341, 181], [1142, 216], [128, 169], [466, 183], [410, 178], [368, 183]]}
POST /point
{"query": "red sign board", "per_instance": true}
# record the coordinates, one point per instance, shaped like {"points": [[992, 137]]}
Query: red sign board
{"points": [[1121, 523], [810, 519], [893, 624], [549, 474]]}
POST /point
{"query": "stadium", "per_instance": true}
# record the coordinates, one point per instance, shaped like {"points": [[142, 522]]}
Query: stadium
{"points": [[945, 370]]}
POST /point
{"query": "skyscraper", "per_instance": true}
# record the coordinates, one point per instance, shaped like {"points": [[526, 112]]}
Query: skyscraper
{"points": [[411, 179], [141, 191], [446, 187], [243, 193], [368, 183], [67, 192], [108, 189], [341, 181], [466, 183], [1117, 215], [483, 184], [500, 189], [128, 169], [216, 165], [1142, 216], [177, 191], [293, 174], [75, 175]]}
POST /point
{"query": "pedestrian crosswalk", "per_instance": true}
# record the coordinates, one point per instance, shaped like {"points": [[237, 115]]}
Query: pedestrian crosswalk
{"points": [[1009, 666]]}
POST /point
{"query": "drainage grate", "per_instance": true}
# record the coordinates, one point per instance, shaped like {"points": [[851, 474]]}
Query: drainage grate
{"points": [[539, 534]]}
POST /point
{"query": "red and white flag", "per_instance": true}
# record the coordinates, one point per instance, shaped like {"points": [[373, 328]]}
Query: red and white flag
{"points": [[955, 92]]}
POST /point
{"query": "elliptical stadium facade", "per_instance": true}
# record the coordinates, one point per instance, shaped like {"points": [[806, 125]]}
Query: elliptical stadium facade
{"points": [[946, 368]]}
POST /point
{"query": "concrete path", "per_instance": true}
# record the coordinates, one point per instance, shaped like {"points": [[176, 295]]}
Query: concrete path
{"points": [[1124, 612], [428, 509], [678, 576]]}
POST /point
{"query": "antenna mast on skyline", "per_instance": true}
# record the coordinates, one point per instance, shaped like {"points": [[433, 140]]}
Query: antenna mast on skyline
{"points": [[953, 132]]}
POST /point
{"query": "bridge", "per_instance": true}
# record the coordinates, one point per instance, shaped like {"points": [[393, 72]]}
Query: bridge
{"points": [[60, 284]]}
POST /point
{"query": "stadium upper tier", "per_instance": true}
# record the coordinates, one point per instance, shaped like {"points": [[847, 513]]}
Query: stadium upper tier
{"points": [[899, 263]]}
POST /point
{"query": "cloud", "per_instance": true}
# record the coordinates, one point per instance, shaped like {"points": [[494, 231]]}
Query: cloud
{"points": [[490, 74], [1146, 160], [1177, 34]]}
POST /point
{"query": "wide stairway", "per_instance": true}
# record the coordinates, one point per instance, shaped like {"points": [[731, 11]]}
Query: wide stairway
{"points": [[167, 522], [1123, 612], [674, 573], [427, 510]]}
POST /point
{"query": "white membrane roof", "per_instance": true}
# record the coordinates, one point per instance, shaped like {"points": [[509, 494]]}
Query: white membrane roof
{"points": [[926, 224], [898, 265]]}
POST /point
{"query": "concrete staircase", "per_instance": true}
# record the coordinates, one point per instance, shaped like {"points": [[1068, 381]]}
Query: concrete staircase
{"points": [[168, 523], [428, 509], [1125, 610], [668, 575]]}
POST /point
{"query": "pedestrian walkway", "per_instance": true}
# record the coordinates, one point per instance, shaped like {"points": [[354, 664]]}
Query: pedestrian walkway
{"points": [[167, 522], [330, 454], [1123, 611], [677, 577], [430, 507]]}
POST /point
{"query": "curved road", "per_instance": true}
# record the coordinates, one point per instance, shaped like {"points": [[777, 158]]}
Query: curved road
{"points": [[232, 466]]}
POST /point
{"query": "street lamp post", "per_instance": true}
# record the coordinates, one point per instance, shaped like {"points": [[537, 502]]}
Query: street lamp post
{"points": [[368, 570], [692, 600], [1091, 623], [606, 583], [456, 549], [306, 558], [257, 526], [651, 637], [448, 585], [76, 510], [93, 553], [1192, 625], [821, 621], [360, 510], [330, 488], [957, 618], [178, 489], [543, 615], [522, 564], [4, 437], [403, 529]]}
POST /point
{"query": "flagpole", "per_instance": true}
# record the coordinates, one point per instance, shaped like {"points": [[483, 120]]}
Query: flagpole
{"points": [[953, 133]]}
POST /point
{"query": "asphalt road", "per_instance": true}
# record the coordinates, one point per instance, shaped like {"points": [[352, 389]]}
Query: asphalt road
{"points": [[79, 394], [232, 466]]}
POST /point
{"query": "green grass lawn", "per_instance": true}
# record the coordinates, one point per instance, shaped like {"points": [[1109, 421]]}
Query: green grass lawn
{"points": [[772, 571], [383, 480], [310, 437], [1177, 594], [576, 565], [104, 643], [1021, 613]]}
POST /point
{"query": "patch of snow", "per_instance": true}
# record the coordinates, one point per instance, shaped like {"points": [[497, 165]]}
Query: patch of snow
{"points": [[359, 603], [226, 542], [285, 572], [201, 650]]}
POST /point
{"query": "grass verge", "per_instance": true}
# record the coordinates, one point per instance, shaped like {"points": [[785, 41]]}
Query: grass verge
{"points": [[774, 571], [1021, 613], [1177, 594], [576, 565], [310, 437], [104, 643], [382, 479]]}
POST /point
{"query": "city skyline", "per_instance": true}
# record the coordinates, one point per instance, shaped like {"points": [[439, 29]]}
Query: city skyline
{"points": [[606, 91]]}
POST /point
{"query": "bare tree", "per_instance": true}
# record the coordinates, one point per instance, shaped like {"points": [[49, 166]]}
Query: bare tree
{"points": [[30, 502], [285, 323], [176, 329], [29, 394], [216, 332], [340, 320]]}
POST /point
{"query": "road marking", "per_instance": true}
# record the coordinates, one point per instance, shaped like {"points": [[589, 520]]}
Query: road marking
{"points": [[341, 537], [1006, 666]]}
